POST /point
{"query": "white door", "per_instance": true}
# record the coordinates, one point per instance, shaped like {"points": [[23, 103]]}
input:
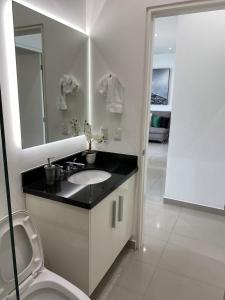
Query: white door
{"points": [[31, 97]]}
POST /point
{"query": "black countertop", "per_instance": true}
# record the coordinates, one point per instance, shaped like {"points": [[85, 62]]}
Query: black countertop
{"points": [[121, 167]]}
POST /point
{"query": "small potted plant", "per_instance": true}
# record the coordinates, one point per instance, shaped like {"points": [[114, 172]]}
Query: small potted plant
{"points": [[91, 138], [75, 127]]}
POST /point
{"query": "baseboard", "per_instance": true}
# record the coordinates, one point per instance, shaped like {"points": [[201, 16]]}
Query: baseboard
{"points": [[212, 210], [132, 244]]}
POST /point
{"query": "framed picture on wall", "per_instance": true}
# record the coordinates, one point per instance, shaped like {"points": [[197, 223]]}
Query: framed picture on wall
{"points": [[160, 86]]}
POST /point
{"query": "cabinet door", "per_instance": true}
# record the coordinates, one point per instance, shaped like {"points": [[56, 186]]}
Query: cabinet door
{"points": [[105, 240], [125, 195], [111, 223]]}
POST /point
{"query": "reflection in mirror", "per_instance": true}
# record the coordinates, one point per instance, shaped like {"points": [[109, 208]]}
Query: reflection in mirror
{"points": [[29, 58], [52, 77]]}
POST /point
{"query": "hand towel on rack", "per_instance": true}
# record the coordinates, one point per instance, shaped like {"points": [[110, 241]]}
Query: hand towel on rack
{"points": [[111, 88]]}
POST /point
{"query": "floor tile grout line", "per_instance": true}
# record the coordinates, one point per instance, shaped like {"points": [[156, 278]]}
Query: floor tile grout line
{"points": [[166, 242], [136, 292], [184, 274], [197, 239], [191, 278], [175, 223], [156, 269], [172, 243], [150, 282], [200, 281]]}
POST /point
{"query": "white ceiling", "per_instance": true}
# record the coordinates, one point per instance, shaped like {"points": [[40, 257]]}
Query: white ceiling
{"points": [[166, 31]]}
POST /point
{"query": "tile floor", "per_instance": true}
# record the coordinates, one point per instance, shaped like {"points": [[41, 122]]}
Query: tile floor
{"points": [[183, 256]]}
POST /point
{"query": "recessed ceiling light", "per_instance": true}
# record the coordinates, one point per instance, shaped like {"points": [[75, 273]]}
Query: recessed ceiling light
{"points": [[170, 48], [156, 34]]}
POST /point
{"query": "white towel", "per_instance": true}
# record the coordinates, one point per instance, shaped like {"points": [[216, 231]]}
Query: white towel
{"points": [[61, 103], [68, 85], [111, 88]]}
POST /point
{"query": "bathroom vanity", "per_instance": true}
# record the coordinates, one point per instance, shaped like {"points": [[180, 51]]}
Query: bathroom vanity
{"points": [[84, 227]]}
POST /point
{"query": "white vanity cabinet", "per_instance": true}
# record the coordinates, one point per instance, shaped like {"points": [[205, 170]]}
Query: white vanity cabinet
{"points": [[82, 244], [111, 228]]}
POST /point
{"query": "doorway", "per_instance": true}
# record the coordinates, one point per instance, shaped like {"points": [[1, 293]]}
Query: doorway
{"points": [[162, 84], [184, 238]]}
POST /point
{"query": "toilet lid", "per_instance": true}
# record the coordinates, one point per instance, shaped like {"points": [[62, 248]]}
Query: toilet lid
{"points": [[28, 251]]}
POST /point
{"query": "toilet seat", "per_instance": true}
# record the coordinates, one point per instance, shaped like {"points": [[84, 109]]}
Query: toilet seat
{"points": [[50, 286], [28, 252], [35, 281], [54, 286]]}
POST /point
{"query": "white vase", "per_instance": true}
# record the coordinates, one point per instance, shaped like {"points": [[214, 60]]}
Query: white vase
{"points": [[90, 158]]}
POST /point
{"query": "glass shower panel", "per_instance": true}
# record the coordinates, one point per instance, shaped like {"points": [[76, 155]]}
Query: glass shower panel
{"points": [[8, 280]]}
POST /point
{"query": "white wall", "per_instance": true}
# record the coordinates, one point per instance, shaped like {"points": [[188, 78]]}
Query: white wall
{"points": [[93, 10], [72, 11], [196, 159], [19, 159], [165, 61], [119, 46]]}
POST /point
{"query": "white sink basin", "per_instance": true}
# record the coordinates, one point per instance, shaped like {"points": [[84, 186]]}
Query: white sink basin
{"points": [[89, 177]]}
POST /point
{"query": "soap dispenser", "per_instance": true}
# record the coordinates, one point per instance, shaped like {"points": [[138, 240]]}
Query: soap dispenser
{"points": [[50, 172]]}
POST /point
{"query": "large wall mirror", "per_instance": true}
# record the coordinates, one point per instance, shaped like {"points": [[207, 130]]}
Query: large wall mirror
{"points": [[52, 77]]}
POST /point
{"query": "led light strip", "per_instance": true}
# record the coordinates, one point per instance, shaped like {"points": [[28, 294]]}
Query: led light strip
{"points": [[46, 13], [10, 76], [89, 82]]}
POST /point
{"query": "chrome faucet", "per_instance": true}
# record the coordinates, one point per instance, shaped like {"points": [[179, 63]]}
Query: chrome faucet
{"points": [[75, 164]]}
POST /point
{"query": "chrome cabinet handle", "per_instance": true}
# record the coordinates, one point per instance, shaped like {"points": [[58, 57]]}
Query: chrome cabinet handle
{"points": [[120, 212], [114, 214]]}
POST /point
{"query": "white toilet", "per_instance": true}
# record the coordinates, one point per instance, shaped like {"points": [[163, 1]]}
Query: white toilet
{"points": [[35, 281]]}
